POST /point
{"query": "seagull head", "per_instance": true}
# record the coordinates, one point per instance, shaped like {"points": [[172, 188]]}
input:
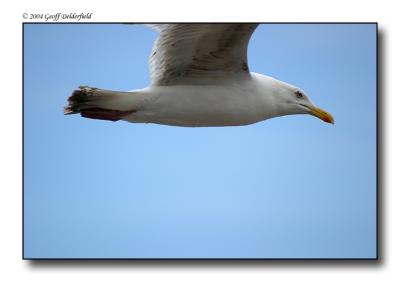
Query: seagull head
{"points": [[294, 100]]}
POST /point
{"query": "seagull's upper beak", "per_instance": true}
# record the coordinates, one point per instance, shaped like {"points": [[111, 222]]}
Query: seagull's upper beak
{"points": [[321, 114]]}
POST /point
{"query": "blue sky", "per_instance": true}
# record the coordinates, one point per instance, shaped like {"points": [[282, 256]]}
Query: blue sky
{"points": [[289, 187]]}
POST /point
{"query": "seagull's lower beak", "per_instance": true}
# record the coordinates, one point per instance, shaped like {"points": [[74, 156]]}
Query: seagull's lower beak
{"points": [[321, 114]]}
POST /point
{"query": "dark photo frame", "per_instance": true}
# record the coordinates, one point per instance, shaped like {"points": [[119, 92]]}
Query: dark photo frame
{"points": [[76, 187]]}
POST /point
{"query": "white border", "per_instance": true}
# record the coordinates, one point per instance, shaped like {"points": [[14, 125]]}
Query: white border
{"points": [[383, 12]]}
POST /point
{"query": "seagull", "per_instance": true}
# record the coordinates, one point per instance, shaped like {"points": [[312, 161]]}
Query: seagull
{"points": [[199, 77]]}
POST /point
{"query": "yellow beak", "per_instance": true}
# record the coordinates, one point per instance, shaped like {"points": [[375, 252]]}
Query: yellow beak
{"points": [[321, 114]]}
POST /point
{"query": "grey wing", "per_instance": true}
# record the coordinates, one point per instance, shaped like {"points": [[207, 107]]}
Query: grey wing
{"points": [[199, 53]]}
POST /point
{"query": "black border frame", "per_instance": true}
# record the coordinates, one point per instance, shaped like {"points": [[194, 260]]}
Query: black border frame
{"points": [[379, 161]]}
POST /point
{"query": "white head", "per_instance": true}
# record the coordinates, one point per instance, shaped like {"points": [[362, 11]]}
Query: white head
{"points": [[291, 100]]}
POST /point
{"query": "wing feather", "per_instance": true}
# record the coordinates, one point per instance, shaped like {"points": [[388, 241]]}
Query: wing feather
{"points": [[199, 53]]}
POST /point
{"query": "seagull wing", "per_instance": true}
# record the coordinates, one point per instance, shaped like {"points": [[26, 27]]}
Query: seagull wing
{"points": [[199, 53]]}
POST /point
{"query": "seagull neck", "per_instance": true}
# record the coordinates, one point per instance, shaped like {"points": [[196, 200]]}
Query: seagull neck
{"points": [[270, 98]]}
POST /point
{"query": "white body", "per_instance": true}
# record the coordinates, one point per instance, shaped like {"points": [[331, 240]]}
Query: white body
{"points": [[241, 101]]}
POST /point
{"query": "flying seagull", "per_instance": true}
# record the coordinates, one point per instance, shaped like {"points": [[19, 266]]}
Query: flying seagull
{"points": [[199, 77]]}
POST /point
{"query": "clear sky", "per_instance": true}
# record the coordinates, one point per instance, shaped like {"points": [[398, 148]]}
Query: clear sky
{"points": [[289, 187]]}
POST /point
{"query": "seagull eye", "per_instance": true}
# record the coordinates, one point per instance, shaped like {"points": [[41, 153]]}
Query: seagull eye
{"points": [[299, 94]]}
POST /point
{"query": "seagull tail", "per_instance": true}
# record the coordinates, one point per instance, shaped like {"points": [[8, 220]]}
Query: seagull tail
{"points": [[98, 103]]}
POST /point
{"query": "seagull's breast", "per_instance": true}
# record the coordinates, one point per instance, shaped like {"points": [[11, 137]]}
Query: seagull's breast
{"points": [[235, 103]]}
